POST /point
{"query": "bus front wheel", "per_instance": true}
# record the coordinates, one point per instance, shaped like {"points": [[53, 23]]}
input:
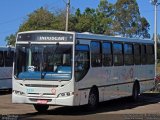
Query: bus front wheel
{"points": [[93, 100], [41, 108]]}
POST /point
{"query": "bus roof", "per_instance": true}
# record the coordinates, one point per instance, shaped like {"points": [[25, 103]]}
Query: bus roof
{"points": [[46, 31], [91, 36]]}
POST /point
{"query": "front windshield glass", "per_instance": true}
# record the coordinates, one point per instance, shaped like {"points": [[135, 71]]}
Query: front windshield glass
{"points": [[43, 62]]}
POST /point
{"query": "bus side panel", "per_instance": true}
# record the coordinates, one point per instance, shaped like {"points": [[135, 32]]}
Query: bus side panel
{"points": [[125, 75], [117, 81], [5, 77], [5, 83], [102, 78], [147, 77], [84, 94], [110, 93]]}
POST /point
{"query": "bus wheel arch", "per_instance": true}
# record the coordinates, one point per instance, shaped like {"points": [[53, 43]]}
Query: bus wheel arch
{"points": [[135, 90], [93, 98]]}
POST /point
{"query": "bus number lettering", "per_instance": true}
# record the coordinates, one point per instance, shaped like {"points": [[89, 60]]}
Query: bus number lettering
{"points": [[30, 90]]}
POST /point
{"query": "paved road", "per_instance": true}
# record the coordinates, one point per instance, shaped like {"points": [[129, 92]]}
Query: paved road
{"points": [[147, 108]]}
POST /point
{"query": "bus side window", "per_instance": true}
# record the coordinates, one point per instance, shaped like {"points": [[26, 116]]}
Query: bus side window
{"points": [[107, 53], [150, 54], [128, 54], [143, 54], [1, 59], [117, 54], [137, 54], [96, 57], [8, 55]]}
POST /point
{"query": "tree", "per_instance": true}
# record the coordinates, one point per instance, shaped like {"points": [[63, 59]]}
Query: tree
{"points": [[43, 19], [122, 18], [11, 39], [144, 28], [104, 18], [97, 21], [85, 21], [40, 19], [127, 18]]}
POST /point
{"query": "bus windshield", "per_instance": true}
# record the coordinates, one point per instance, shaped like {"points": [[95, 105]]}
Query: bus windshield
{"points": [[43, 62]]}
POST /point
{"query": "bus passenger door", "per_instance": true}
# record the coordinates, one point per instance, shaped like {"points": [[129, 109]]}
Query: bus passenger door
{"points": [[81, 69]]}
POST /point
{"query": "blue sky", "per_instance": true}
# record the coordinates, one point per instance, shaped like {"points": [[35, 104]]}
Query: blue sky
{"points": [[14, 12]]}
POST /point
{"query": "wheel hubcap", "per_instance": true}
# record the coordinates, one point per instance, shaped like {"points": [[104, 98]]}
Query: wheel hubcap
{"points": [[92, 99]]}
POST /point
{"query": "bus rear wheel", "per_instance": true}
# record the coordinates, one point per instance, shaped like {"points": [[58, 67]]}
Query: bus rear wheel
{"points": [[93, 100], [41, 108], [135, 92]]}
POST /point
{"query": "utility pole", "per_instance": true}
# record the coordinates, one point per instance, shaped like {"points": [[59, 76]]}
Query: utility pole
{"points": [[155, 36], [155, 3], [67, 14]]}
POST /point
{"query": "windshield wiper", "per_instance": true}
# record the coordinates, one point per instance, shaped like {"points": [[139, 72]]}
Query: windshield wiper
{"points": [[57, 45]]}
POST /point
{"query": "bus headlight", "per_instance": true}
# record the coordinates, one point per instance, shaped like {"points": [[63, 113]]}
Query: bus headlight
{"points": [[65, 94], [18, 92]]}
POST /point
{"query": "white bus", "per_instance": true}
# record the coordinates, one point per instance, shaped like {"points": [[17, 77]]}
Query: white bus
{"points": [[6, 66], [72, 69]]}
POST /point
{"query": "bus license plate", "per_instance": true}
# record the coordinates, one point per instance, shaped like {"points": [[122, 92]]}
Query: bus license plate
{"points": [[42, 101]]}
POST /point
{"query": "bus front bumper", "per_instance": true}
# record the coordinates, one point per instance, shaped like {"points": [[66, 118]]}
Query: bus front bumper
{"points": [[64, 101]]}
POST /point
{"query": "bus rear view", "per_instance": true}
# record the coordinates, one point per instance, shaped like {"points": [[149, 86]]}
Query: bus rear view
{"points": [[43, 69]]}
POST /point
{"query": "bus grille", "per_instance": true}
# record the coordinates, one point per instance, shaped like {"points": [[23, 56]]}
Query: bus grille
{"points": [[35, 100], [48, 95], [39, 85]]}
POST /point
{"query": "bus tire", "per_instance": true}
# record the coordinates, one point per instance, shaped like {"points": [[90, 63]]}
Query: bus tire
{"points": [[135, 91], [93, 99], [41, 108]]}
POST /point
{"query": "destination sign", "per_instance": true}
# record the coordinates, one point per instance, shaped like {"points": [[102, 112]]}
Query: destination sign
{"points": [[48, 37]]}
